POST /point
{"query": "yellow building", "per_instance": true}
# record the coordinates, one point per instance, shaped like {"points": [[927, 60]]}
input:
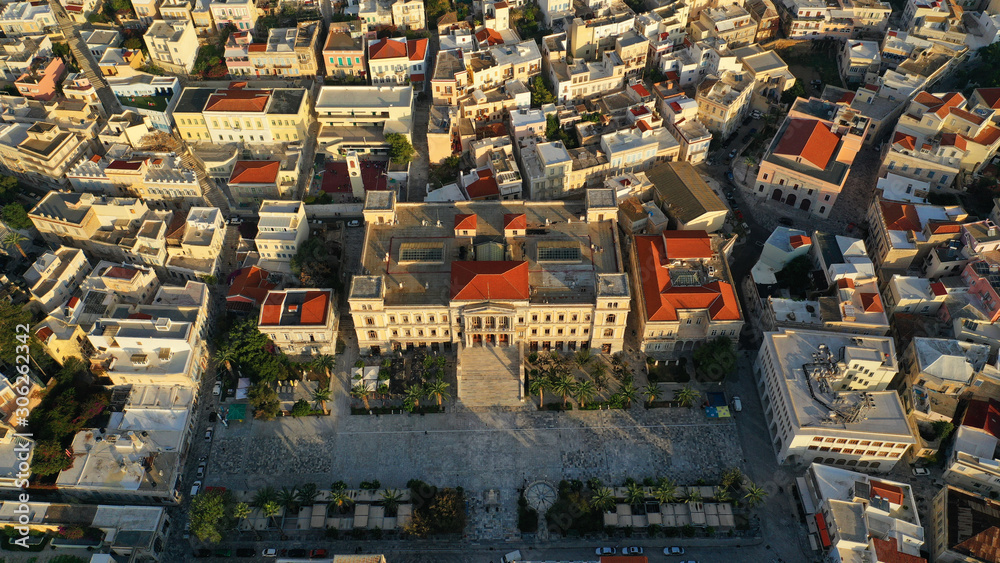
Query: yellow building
{"points": [[236, 114]]}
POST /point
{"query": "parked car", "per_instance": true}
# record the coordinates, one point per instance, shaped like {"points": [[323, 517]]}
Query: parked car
{"points": [[606, 551], [245, 552], [674, 550], [354, 223], [213, 416], [200, 472], [753, 131], [732, 154], [202, 553], [317, 553], [631, 551], [195, 488], [269, 552], [217, 389], [737, 404], [729, 175], [208, 435], [756, 114], [223, 552], [921, 471]]}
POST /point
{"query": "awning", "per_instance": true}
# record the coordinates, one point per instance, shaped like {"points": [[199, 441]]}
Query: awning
{"points": [[824, 535]]}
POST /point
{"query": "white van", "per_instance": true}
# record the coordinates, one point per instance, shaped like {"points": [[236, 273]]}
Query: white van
{"points": [[511, 557], [737, 404]]}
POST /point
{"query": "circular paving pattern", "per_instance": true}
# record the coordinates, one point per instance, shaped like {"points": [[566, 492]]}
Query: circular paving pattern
{"points": [[540, 496]]}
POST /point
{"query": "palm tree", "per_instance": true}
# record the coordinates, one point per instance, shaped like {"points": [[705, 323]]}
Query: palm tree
{"points": [[722, 494], [339, 498], [391, 498], [732, 478], [665, 491], [241, 511], [634, 495], [603, 499], [582, 358], [324, 363], [226, 355], [289, 498], [755, 494], [652, 392], [628, 393], [750, 162], [537, 386], [686, 395], [564, 385], [307, 494], [14, 238], [264, 496], [414, 393], [270, 509], [360, 391], [321, 396], [694, 496], [439, 389], [585, 391], [600, 376]]}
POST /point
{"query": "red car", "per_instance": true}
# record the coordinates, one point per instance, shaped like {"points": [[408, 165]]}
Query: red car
{"points": [[316, 553], [739, 214]]}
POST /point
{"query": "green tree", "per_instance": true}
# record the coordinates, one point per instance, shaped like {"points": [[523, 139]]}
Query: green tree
{"points": [[628, 393], [16, 217], [715, 359], [585, 392], [722, 494], [686, 395], [133, 43], [11, 316], [288, 497], [360, 391], [400, 149], [732, 478], [340, 499], [241, 511], [414, 393], [750, 162], [537, 386], [390, 500], [264, 401], [795, 274], [207, 514], [583, 358], [438, 389], [755, 495], [226, 355], [301, 408], [693, 496], [324, 363], [321, 395], [540, 92], [634, 495], [665, 491], [600, 376], [565, 385], [796, 91], [49, 458], [603, 499], [264, 496], [270, 510], [652, 392], [14, 238]]}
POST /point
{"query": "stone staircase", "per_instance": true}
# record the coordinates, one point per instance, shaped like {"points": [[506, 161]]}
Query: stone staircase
{"points": [[490, 376], [212, 192]]}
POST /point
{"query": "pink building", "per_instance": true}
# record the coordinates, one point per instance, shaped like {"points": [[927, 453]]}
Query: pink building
{"points": [[40, 83], [983, 279]]}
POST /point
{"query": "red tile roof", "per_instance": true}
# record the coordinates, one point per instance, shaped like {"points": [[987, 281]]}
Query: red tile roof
{"points": [[984, 546], [845, 283], [641, 90], [927, 99], [465, 222], [256, 48], [938, 289], [891, 493], [416, 49], [386, 48], [73, 301], [485, 280], [991, 96], [984, 415], [796, 241], [663, 299], [44, 333], [485, 186], [255, 172], [900, 216], [489, 36], [886, 551], [967, 116], [846, 98], [824, 534], [250, 286], [810, 139], [515, 221], [908, 142], [238, 100], [871, 302], [121, 272], [295, 308], [988, 136], [686, 245], [953, 140]]}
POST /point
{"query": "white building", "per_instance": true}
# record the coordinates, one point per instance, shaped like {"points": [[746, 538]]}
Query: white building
{"points": [[974, 462], [54, 277], [282, 228], [172, 45], [301, 321], [798, 373]]}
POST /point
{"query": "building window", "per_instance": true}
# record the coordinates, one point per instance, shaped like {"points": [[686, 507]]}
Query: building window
{"points": [[610, 319], [370, 321], [372, 335]]}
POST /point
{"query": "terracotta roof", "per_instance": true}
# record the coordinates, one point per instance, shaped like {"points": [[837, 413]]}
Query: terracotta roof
{"points": [[908, 142], [948, 101], [73, 301], [871, 302], [641, 90], [125, 165], [664, 300], [988, 136], [238, 100], [944, 227], [465, 221], [891, 493], [416, 49], [886, 551], [489, 36], [845, 283], [810, 139], [900, 216], [44, 333], [386, 48], [953, 140], [416, 77], [991, 96], [250, 286], [256, 48], [984, 415], [485, 280], [120, 272], [255, 172], [485, 186], [938, 289], [984, 546], [515, 221], [796, 241], [927, 99], [846, 98], [824, 533], [684, 245], [288, 308], [970, 117]]}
